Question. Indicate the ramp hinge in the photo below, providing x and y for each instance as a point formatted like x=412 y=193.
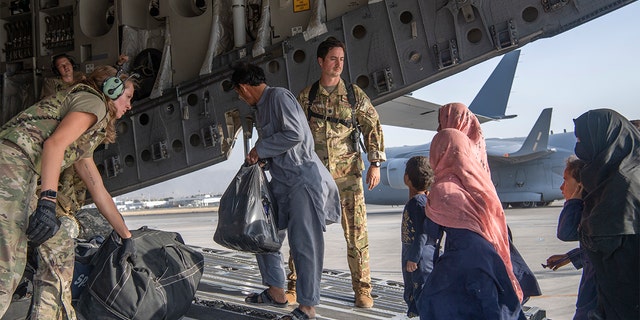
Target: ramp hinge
x=209 y=136
x=112 y=166
x=159 y=151
x=382 y=80
x=553 y=5
x=447 y=57
x=505 y=36
x=205 y=102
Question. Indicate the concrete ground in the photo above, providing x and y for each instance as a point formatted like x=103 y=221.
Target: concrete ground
x=533 y=231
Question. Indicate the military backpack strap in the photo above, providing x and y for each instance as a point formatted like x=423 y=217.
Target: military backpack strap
x=312 y=96
x=351 y=96
x=310 y=113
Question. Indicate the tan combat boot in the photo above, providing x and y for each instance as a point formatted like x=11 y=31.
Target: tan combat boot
x=291 y=292
x=364 y=299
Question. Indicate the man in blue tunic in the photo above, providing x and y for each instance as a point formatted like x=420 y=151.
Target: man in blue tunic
x=307 y=195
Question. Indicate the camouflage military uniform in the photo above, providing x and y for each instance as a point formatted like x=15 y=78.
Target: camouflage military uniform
x=56 y=258
x=21 y=141
x=52 y=85
x=335 y=147
x=54 y=274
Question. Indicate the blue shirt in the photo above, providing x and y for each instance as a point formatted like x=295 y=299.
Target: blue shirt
x=285 y=139
x=414 y=224
x=568 y=223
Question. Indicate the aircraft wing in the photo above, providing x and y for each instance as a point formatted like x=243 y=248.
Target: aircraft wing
x=489 y=104
x=409 y=112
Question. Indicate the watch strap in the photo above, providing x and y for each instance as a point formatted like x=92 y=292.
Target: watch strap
x=48 y=194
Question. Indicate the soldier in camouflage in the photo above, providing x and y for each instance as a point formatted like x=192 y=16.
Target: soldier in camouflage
x=50 y=136
x=330 y=116
x=63 y=67
x=55 y=277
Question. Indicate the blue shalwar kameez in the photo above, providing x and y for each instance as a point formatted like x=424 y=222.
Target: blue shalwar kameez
x=416 y=248
x=469 y=281
x=568 y=224
x=307 y=195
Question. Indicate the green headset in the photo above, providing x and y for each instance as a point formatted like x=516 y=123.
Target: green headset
x=113 y=87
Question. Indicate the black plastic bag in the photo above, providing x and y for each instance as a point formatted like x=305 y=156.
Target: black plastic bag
x=247 y=215
x=160 y=283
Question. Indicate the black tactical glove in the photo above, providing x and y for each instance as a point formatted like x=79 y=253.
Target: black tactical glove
x=128 y=251
x=43 y=223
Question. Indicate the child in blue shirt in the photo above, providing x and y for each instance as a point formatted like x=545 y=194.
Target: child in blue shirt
x=417 y=248
x=568 y=223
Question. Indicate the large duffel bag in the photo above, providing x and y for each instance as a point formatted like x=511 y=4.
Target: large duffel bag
x=159 y=284
x=85 y=250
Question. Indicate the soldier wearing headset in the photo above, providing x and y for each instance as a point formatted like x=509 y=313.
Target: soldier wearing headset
x=65 y=70
x=56 y=133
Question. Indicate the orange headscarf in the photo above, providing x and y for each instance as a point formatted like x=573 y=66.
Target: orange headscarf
x=463 y=196
x=457 y=116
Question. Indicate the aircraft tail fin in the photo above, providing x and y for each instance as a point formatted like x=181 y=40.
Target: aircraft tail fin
x=538 y=138
x=491 y=101
x=536 y=144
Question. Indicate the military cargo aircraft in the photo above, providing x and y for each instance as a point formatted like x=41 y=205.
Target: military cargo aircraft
x=525 y=171
x=186 y=117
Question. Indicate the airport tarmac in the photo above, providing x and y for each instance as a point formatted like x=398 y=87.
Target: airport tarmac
x=534 y=232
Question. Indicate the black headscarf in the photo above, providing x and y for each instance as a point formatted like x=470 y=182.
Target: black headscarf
x=610 y=145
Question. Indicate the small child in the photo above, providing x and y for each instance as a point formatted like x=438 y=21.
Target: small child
x=568 y=223
x=417 y=250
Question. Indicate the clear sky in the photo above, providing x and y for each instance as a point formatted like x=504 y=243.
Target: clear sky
x=595 y=65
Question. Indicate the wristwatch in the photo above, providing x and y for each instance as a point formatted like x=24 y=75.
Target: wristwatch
x=48 y=194
x=375 y=164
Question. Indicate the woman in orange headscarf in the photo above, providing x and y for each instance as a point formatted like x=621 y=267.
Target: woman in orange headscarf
x=457 y=116
x=473 y=278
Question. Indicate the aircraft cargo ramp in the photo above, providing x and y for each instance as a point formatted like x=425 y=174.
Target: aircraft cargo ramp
x=230 y=276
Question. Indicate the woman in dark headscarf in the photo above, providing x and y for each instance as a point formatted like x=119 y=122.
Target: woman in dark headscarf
x=609 y=144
